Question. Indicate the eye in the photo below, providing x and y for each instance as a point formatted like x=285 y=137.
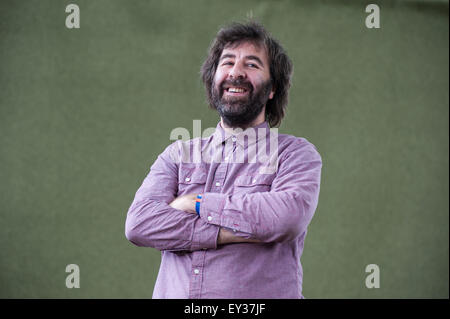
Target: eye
x=252 y=65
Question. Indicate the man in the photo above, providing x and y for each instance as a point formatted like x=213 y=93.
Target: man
x=233 y=224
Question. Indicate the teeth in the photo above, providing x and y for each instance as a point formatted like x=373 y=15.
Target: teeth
x=236 y=90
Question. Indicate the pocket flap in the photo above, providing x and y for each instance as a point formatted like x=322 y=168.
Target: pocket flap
x=257 y=179
x=197 y=176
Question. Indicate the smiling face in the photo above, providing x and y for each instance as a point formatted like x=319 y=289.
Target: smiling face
x=242 y=84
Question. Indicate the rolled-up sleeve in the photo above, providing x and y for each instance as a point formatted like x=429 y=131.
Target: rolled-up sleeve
x=281 y=214
x=151 y=222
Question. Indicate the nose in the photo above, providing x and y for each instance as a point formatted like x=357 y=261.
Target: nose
x=237 y=72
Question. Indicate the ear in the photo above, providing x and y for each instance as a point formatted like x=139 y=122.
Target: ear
x=272 y=93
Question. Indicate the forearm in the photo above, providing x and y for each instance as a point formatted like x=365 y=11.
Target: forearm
x=155 y=224
x=227 y=237
x=257 y=215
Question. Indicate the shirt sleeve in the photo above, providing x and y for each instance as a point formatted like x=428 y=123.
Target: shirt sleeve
x=151 y=222
x=281 y=214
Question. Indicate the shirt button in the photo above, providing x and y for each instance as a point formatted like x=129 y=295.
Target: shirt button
x=187 y=179
x=254 y=181
x=217 y=183
x=233 y=139
x=209 y=218
x=226 y=158
x=196 y=271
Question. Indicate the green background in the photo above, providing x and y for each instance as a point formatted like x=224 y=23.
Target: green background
x=85 y=112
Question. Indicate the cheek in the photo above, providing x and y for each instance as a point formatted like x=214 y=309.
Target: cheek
x=218 y=78
x=260 y=82
x=217 y=81
x=257 y=85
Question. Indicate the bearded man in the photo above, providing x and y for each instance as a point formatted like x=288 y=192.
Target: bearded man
x=234 y=226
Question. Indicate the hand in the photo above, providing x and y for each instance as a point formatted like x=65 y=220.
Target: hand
x=185 y=203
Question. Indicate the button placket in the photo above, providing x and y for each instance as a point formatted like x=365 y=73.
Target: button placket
x=198 y=263
x=229 y=156
x=222 y=168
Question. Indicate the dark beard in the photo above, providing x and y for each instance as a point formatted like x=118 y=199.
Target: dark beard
x=239 y=112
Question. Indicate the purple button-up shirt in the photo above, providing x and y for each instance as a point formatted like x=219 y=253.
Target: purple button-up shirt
x=256 y=183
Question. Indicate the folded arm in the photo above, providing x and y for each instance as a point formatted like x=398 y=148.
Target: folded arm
x=281 y=214
x=152 y=222
x=187 y=203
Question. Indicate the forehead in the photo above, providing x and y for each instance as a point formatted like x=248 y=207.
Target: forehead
x=242 y=49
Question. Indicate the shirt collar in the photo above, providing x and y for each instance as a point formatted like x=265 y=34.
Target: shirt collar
x=253 y=134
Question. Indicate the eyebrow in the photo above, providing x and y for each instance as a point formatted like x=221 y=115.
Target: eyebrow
x=248 y=57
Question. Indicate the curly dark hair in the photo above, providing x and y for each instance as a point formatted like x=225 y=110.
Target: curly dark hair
x=280 y=64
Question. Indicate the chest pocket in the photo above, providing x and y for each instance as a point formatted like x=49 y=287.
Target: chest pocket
x=253 y=183
x=191 y=180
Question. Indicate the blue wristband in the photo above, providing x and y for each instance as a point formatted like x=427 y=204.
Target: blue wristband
x=197 y=204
